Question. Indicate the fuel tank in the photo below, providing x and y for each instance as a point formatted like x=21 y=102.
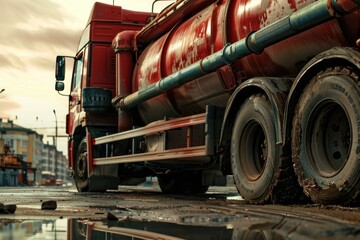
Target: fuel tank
x=223 y=22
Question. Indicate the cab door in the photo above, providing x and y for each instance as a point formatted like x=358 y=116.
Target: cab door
x=74 y=116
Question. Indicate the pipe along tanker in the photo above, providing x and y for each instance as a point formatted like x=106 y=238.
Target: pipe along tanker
x=265 y=90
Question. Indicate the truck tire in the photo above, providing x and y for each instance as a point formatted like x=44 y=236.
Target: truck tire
x=182 y=183
x=255 y=156
x=326 y=137
x=80 y=168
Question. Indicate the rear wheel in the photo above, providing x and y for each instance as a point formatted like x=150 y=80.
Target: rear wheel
x=325 y=141
x=81 y=169
x=260 y=171
x=254 y=153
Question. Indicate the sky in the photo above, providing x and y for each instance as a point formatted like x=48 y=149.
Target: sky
x=33 y=33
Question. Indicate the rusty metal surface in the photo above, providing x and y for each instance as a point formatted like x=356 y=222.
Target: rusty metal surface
x=228 y=22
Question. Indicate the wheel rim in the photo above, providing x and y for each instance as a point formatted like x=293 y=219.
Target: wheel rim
x=253 y=150
x=81 y=165
x=329 y=138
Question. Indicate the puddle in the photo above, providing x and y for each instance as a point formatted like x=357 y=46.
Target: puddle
x=234 y=197
x=34 y=229
x=246 y=228
x=85 y=229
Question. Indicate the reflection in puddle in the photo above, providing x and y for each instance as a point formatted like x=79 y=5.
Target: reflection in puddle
x=146 y=230
x=34 y=229
x=73 y=229
x=234 y=197
x=246 y=227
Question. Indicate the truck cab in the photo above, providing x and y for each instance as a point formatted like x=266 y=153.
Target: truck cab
x=94 y=72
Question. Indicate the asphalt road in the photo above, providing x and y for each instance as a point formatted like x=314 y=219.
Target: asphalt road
x=145 y=213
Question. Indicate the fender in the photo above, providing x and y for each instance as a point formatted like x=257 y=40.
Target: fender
x=79 y=132
x=275 y=89
x=331 y=58
x=78 y=123
x=101 y=178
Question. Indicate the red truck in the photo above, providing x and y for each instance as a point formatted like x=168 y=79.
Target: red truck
x=265 y=90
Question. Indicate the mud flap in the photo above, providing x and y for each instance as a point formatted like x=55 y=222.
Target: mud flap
x=213 y=178
x=103 y=183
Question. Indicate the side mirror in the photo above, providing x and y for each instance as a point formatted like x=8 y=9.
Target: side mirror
x=60 y=68
x=59 y=86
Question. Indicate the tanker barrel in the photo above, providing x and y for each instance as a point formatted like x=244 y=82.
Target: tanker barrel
x=299 y=21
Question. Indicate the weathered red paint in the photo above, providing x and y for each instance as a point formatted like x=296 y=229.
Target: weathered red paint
x=208 y=31
x=288 y=56
x=169 y=17
x=123 y=45
x=104 y=23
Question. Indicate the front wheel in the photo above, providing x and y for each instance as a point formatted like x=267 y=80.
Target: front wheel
x=81 y=168
x=325 y=137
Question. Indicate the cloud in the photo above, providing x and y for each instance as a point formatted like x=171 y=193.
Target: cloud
x=33 y=33
x=6 y=105
x=43 y=38
x=45 y=63
x=10 y=60
x=25 y=63
x=5 y=62
x=20 y=11
x=36 y=24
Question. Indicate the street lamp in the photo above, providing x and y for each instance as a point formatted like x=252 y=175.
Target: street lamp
x=55 y=142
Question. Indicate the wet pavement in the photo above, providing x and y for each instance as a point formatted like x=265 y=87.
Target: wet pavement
x=145 y=213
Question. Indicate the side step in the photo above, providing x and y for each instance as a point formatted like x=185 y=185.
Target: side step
x=161 y=128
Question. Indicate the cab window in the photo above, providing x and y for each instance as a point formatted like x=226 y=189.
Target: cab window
x=77 y=72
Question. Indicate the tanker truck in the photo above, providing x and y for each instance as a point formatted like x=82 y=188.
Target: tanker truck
x=265 y=90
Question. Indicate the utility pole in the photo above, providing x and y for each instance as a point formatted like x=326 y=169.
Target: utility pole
x=55 y=143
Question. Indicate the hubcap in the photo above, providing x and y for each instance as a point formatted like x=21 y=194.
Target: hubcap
x=253 y=150
x=328 y=139
x=81 y=165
